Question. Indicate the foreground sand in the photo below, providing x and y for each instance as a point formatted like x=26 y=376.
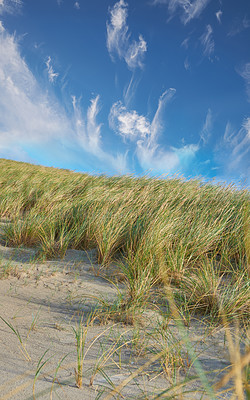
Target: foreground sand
x=44 y=302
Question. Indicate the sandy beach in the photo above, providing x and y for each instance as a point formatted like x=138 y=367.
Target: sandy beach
x=44 y=301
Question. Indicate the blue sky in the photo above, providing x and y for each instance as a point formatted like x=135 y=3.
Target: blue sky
x=117 y=87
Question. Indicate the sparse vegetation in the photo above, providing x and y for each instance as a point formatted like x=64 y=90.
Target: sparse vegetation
x=17 y=333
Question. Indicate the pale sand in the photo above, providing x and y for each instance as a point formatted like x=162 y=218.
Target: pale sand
x=57 y=292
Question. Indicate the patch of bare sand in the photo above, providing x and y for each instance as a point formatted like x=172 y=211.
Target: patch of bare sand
x=44 y=302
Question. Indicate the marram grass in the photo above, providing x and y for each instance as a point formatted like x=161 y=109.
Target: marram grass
x=171 y=232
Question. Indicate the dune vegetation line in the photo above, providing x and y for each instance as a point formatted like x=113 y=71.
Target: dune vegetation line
x=187 y=235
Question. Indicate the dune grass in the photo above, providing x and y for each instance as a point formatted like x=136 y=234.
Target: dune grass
x=188 y=235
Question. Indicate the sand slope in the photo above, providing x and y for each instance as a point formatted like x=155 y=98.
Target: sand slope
x=44 y=300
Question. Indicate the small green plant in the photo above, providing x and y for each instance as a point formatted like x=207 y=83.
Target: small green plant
x=16 y=332
x=39 y=368
x=175 y=358
x=80 y=335
x=80 y=332
x=55 y=375
x=7 y=269
x=107 y=355
x=34 y=322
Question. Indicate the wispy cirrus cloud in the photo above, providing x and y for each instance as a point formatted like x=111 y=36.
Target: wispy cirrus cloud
x=233 y=152
x=185 y=43
x=238 y=26
x=130 y=89
x=51 y=73
x=207 y=41
x=77 y=5
x=24 y=108
x=187 y=65
x=244 y=72
x=89 y=138
x=10 y=6
x=218 y=16
x=188 y=9
x=119 y=39
x=145 y=134
x=30 y=118
x=207 y=128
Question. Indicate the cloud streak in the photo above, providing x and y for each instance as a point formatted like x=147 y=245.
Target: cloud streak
x=188 y=9
x=89 y=138
x=10 y=6
x=239 y=26
x=207 y=128
x=51 y=73
x=207 y=42
x=218 y=16
x=244 y=72
x=234 y=152
x=118 y=38
x=30 y=119
x=24 y=108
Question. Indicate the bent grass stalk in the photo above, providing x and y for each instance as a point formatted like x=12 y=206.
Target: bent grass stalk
x=16 y=332
x=40 y=366
x=57 y=369
x=102 y=361
x=117 y=389
x=80 y=335
x=34 y=322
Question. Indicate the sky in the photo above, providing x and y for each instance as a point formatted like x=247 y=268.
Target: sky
x=158 y=87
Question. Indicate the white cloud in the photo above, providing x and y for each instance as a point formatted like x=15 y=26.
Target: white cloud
x=130 y=89
x=233 y=152
x=24 y=107
x=239 y=26
x=29 y=118
x=185 y=43
x=207 y=41
x=135 y=53
x=137 y=128
x=118 y=38
x=51 y=73
x=89 y=135
x=188 y=9
x=117 y=30
x=10 y=6
x=245 y=23
x=207 y=127
x=93 y=128
x=156 y=126
x=241 y=143
x=77 y=5
x=129 y=124
x=187 y=64
x=218 y=15
x=245 y=74
x=1 y=27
